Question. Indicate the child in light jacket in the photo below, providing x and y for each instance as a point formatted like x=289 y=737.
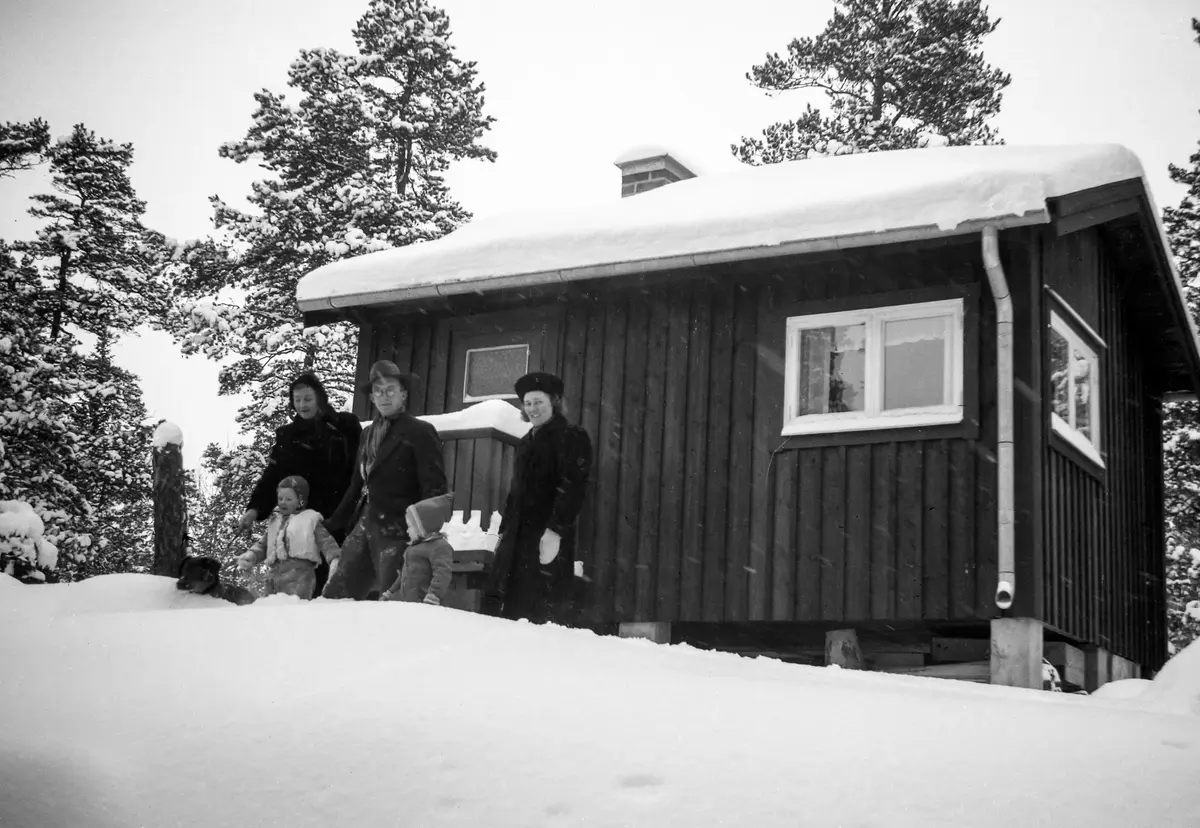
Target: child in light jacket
x=294 y=543
x=426 y=573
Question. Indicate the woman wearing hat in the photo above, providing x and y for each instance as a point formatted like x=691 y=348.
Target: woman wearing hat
x=533 y=572
x=399 y=464
x=319 y=445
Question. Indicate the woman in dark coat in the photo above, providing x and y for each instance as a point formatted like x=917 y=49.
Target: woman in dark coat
x=320 y=445
x=399 y=463
x=533 y=573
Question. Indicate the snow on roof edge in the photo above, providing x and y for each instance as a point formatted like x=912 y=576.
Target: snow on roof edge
x=751 y=207
x=632 y=266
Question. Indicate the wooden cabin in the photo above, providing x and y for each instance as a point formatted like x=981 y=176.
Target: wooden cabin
x=914 y=395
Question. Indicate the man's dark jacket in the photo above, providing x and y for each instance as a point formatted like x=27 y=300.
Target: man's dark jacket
x=408 y=468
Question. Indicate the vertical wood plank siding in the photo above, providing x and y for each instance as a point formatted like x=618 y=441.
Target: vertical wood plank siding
x=1104 y=564
x=699 y=512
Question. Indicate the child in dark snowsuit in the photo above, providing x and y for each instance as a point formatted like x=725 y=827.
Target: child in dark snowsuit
x=294 y=544
x=426 y=573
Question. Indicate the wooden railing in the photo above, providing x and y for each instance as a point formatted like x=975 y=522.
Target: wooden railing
x=479 y=463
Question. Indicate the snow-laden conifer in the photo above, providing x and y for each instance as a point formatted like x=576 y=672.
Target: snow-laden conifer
x=355 y=154
x=1181 y=426
x=895 y=74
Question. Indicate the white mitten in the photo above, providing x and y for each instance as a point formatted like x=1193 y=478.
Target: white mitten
x=579 y=569
x=245 y=561
x=430 y=598
x=548 y=546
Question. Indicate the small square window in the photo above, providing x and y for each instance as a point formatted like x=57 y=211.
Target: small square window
x=1074 y=389
x=491 y=372
x=890 y=367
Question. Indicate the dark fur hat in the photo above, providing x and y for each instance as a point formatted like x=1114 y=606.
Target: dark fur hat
x=539 y=381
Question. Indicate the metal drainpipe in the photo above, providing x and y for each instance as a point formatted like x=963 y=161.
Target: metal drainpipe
x=1006 y=577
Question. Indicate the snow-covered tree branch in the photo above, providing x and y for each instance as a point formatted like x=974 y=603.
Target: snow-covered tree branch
x=897 y=74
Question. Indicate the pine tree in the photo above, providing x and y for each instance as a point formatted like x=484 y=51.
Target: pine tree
x=38 y=447
x=98 y=261
x=1181 y=424
x=357 y=164
x=72 y=426
x=898 y=74
x=22 y=145
x=114 y=461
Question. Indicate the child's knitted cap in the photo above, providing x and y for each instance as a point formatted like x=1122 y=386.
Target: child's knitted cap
x=297 y=484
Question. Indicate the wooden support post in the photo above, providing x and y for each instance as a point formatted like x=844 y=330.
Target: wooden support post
x=657 y=631
x=1016 y=659
x=170 y=513
x=841 y=648
x=1069 y=661
x=1096 y=661
x=1123 y=668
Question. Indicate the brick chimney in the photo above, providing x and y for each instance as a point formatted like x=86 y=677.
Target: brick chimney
x=648 y=168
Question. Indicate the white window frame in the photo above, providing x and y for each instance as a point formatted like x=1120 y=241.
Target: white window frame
x=468 y=398
x=1089 y=447
x=873 y=416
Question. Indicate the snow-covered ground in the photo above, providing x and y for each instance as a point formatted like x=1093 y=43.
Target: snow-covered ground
x=124 y=702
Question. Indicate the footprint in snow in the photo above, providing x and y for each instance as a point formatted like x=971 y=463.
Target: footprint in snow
x=641 y=785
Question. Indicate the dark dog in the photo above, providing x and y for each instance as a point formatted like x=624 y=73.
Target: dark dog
x=202 y=576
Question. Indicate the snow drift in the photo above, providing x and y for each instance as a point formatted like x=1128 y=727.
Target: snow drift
x=125 y=702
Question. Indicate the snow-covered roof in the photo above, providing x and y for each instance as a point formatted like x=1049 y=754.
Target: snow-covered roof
x=795 y=207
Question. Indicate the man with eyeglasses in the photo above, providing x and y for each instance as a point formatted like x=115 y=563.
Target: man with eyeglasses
x=399 y=464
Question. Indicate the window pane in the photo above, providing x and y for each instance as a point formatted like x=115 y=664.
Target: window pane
x=1082 y=365
x=833 y=369
x=492 y=371
x=1060 y=379
x=914 y=362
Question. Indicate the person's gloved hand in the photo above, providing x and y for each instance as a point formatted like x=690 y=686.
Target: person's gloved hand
x=247 y=519
x=245 y=561
x=548 y=546
x=430 y=598
x=383 y=596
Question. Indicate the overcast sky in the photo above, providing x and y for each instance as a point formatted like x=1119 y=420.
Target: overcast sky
x=571 y=84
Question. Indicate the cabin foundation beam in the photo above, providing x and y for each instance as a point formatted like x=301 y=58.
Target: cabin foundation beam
x=1101 y=667
x=1096 y=661
x=1122 y=668
x=657 y=631
x=1016 y=652
x=1071 y=662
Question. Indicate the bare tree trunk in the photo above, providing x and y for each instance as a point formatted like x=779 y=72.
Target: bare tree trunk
x=64 y=267
x=170 y=514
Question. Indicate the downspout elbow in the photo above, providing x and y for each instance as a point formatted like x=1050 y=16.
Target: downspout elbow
x=1006 y=512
